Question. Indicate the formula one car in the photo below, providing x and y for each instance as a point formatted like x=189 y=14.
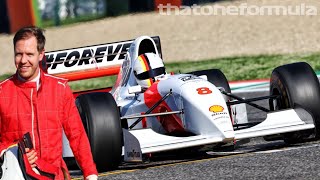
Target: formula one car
x=150 y=111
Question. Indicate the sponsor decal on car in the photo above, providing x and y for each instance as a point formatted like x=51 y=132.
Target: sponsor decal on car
x=216 y=108
x=189 y=77
x=221 y=118
x=203 y=90
x=86 y=57
x=133 y=154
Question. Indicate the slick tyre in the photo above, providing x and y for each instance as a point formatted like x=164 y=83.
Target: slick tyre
x=101 y=120
x=298 y=86
x=216 y=77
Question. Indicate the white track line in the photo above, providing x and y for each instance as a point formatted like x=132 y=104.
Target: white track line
x=287 y=149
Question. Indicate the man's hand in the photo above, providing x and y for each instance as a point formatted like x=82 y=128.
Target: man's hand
x=32 y=157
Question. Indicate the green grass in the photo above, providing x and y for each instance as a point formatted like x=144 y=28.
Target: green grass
x=246 y=67
x=95 y=83
x=235 y=68
x=4 y=76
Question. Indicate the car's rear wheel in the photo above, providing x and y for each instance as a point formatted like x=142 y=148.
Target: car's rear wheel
x=101 y=119
x=298 y=86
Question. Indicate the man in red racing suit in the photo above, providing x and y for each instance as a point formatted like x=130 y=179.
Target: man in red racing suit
x=43 y=105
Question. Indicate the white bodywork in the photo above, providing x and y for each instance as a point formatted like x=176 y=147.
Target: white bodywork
x=205 y=114
x=207 y=127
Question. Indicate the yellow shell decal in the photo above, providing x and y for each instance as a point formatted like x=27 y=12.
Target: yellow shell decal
x=216 y=108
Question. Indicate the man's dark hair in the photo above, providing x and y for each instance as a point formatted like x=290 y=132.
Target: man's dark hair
x=27 y=32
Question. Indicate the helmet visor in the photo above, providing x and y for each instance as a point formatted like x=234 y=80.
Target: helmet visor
x=151 y=73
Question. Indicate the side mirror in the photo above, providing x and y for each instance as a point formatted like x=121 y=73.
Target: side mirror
x=204 y=77
x=135 y=89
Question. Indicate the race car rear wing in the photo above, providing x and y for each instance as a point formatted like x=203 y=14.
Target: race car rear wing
x=89 y=61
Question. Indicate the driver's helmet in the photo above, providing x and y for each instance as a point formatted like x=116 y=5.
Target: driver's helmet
x=147 y=68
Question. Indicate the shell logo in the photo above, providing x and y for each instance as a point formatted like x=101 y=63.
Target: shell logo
x=216 y=108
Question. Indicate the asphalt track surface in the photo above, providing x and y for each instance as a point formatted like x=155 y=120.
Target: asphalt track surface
x=258 y=159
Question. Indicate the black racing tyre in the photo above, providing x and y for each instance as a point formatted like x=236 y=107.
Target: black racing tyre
x=298 y=86
x=216 y=77
x=101 y=120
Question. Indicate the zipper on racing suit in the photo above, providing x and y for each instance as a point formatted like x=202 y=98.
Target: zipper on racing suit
x=33 y=119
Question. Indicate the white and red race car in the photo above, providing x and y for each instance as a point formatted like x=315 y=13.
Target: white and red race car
x=195 y=110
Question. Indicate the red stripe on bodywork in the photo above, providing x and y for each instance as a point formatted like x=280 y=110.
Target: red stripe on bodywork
x=144 y=121
x=171 y=123
x=87 y=74
x=76 y=94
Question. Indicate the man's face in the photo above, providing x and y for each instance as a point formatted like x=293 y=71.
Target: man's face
x=27 y=58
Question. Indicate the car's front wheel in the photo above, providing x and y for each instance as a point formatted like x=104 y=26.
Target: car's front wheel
x=298 y=86
x=101 y=119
